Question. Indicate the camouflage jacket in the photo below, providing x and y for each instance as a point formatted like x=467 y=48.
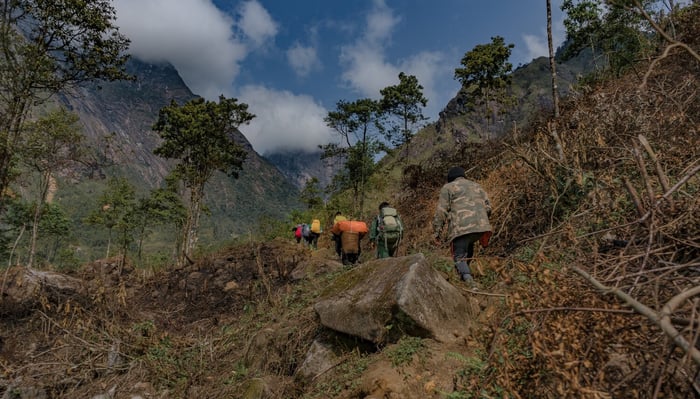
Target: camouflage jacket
x=464 y=205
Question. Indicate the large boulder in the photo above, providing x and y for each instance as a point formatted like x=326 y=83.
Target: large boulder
x=384 y=299
x=22 y=286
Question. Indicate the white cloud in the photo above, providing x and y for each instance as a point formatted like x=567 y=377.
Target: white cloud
x=302 y=59
x=256 y=22
x=536 y=45
x=430 y=68
x=380 y=22
x=367 y=71
x=284 y=121
x=195 y=37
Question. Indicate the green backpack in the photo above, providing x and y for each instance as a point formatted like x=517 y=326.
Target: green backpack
x=389 y=227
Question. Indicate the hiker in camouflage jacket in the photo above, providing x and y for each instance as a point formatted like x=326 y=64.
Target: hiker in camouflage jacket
x=464 y=205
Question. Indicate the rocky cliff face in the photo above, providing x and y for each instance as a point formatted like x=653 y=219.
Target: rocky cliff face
x=299 y=167
x=124 y=113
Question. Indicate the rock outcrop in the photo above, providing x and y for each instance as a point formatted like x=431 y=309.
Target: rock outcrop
x=384 y=299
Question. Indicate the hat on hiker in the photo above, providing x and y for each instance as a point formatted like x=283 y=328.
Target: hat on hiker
x=454 y=173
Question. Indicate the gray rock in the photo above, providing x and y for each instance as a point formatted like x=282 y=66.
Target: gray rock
x=107 y=395
x=319 y=359
x=16 y=390
x=384 y=299
x=24 y=285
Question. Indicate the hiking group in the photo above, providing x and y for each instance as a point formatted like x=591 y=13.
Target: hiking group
x=308 y=232
x=463 y=206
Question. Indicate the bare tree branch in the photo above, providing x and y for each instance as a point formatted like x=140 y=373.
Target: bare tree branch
x=661 y=319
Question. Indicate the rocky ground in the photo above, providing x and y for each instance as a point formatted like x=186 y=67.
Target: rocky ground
x=239 y=321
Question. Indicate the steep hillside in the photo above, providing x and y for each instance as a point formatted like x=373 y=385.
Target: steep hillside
x=591 y=246
x=124 y=112
x=588 y=288
x=532 y=88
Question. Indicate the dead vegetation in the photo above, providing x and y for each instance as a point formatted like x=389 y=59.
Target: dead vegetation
x=603 y=245
x=590 y=286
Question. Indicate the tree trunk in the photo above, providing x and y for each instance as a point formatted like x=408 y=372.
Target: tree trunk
x=555 y=91
x=45 y=180
x=35 y=233
x=178 y=249
x=109 y=242
x=192 y=223
x=363 y=172
x=142 y=233
x=14 y=246
x=17 y=111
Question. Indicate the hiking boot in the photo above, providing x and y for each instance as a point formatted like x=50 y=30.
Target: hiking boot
x=467 y=278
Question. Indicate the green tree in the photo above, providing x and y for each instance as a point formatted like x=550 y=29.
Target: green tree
x=611 y=29
x=311 y=193
x=200 y=134
x=116 y=209
x=17 y=218
x=358 y=125
x=55 y=227
x=48 y=47
x=404 y=102
x=163 y=206
x=485 y=74
x=52 y=143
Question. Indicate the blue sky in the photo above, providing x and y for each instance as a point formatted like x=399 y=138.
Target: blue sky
x=292 y=60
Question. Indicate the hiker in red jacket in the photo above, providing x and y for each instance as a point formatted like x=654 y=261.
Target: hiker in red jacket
x=297 y=232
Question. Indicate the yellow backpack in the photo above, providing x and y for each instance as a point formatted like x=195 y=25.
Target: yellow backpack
x=316 y=226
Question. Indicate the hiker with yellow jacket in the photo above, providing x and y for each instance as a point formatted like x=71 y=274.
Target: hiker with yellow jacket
x=315 y=231
x=465 y=207
x=336 y=237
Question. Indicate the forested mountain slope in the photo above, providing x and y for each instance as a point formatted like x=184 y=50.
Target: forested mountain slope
x=588 y=288
x=117 y=119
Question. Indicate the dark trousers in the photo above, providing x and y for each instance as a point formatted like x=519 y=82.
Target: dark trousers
x=312 y=240
x=338 y=244
x=386 y=249
x=346 y=258
x=463 y=251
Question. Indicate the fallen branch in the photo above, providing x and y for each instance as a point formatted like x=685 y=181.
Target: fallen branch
x=572 y=309
x=483 y=293
x=682 y=181
x=635 y=198
x=662 y=319
x=657 y=165
x=673 y=189
x=643 y=172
